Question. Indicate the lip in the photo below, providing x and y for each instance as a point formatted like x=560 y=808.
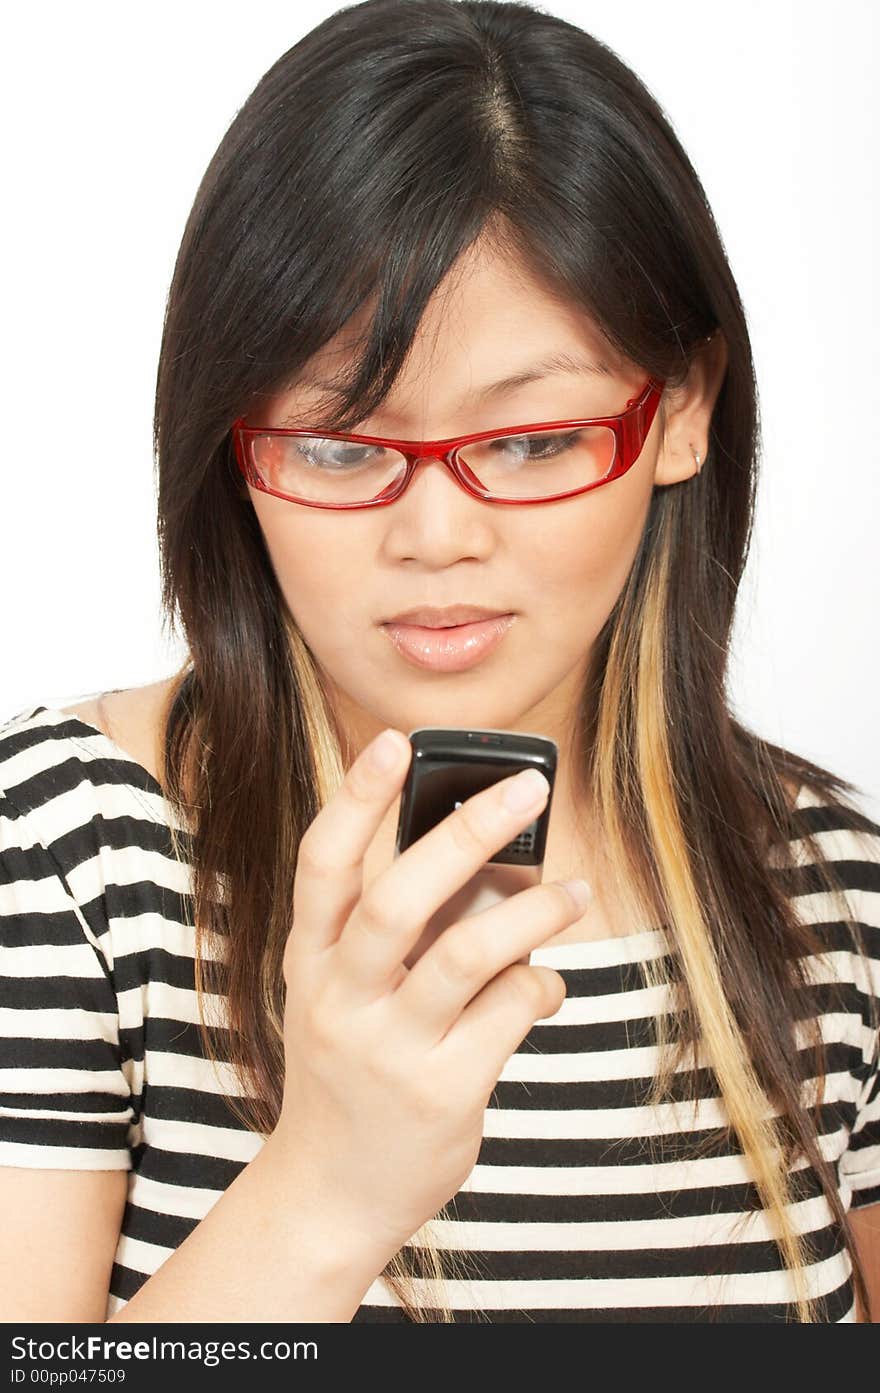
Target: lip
x=444 y=617
x=452 y=649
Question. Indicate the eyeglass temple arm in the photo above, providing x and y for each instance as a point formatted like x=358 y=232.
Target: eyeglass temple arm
x=636 y=424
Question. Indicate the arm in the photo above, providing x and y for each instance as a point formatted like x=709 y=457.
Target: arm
x=272 y=1246
x=270 y=1249
x=60 y=1231
x=265 y=1251
x=866 y=1230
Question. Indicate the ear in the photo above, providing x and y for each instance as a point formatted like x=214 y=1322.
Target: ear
x=688 y=412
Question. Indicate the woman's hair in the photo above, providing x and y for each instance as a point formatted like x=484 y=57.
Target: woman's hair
x=369 y=157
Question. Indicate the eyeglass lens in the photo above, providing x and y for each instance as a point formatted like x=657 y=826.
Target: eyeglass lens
x=322 y=469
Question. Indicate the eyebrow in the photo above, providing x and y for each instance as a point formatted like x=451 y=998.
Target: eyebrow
x=547 y=367
x=555 y=363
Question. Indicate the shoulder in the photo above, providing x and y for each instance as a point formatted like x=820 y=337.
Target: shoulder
x=845 y=832
x=133 y=718
x=846 y=914
x=44 y=763
x=85 y=831
x=66 y=785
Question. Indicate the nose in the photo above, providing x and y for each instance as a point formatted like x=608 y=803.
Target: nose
x=436 y=459
x=436 y=501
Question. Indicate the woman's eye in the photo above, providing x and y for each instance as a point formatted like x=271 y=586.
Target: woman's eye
x=543 y=446
x=337 y=454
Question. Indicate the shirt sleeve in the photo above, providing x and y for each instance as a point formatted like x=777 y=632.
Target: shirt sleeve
x=65 y=1101
x=860 y=1163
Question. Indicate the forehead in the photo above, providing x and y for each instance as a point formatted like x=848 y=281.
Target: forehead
x=490 y=327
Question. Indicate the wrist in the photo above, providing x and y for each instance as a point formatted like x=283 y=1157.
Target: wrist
x=337 y=1241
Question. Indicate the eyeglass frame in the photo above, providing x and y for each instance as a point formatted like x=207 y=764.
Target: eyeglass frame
x=630 y=427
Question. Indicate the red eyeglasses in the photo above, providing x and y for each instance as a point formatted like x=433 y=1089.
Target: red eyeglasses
x=525 y=464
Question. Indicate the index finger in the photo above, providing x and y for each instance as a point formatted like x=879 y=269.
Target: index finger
x=329 y=877
x=399 y=903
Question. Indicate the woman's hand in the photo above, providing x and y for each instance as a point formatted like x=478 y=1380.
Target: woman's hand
x=388 y=1070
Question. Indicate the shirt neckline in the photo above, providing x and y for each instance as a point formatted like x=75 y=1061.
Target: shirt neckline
x=603 y=952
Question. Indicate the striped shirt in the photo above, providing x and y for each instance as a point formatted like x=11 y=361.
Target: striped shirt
x=567 y=1214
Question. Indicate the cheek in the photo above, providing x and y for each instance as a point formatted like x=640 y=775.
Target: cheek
x=581 y=553
x=309 y=561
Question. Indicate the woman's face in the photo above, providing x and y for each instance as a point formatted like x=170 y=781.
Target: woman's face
x=558 y=567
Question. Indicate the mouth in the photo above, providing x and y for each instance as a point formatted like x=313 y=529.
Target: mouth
x=444 y=616
x=450 y=647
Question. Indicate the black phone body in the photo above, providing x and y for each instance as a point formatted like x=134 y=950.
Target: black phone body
x=449 y=765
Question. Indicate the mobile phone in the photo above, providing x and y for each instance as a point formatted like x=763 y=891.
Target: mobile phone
x=449 y=765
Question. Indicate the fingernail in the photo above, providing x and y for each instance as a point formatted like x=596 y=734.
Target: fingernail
x=526 y=789
x=580 y=891
x=386 y=751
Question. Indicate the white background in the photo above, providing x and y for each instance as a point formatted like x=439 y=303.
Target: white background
x=110 y=116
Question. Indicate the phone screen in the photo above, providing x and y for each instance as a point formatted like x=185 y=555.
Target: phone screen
x=448 y=766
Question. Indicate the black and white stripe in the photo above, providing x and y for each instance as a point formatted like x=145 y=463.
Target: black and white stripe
x=583 y=1204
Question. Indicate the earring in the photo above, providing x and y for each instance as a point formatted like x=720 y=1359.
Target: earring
x=697 y=458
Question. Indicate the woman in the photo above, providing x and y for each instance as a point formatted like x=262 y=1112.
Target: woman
x=223 y=1085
